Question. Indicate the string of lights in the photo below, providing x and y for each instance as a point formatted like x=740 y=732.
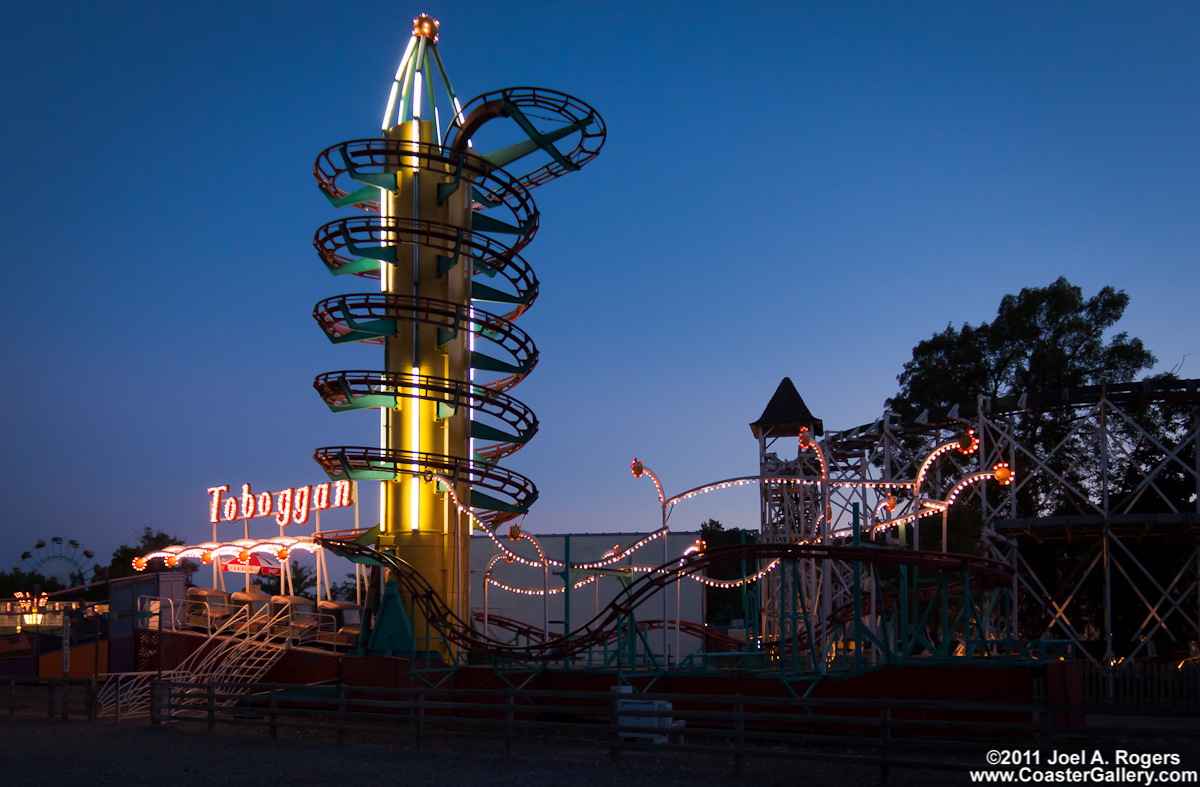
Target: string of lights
x=539 y=592
x=280 y=548
x=716 y=583
x=755 y=479
x=965 y=444
x=808 y=441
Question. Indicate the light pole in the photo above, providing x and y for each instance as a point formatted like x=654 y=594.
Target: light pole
x=487 y=579
x=639 y=470
x=516 y=534
x=693 y=549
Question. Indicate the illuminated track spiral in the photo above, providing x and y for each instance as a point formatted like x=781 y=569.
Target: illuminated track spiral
x=352 y=174
x=356 y=390
x=344 y=246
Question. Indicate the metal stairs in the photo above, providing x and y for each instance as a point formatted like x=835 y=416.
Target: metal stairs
x=240 y=652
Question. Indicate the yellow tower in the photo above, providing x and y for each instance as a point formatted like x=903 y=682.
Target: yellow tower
x=449 y=293
x=422 y=525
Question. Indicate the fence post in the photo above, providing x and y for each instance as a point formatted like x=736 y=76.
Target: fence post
x=341 y=722
x=274 y=724
x=510 y=715
x=739 y=733
x=885 y=737
x=419 y=712
x=614 y=723
x=156 y=687
x=93 y=698
x=212 y=706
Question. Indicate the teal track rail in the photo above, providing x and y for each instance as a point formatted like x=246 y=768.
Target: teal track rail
x=504 y=286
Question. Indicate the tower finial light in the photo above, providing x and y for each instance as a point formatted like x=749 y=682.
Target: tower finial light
x=425 y=26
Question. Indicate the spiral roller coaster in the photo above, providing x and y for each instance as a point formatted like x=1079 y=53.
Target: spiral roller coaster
x=434 y=207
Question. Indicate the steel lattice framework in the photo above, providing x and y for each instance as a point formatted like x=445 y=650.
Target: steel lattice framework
x=1103 y=474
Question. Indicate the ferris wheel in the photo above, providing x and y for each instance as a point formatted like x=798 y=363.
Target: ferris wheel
x=61 y=559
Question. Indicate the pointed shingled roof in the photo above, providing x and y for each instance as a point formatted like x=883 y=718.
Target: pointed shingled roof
x=786 y=414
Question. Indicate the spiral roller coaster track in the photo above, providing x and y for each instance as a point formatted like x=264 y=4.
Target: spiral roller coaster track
x=373 y=162
x=356 y=245
x=365 y=463
x=356 y=390
x=370 y=174
x=522 y=104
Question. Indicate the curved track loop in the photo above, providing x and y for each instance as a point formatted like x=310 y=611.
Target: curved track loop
x=534 y=103
x=371 y=240
x=989 y=574
x=367 y=162
x=368 y=317
x=516 y=492
x=357 y=390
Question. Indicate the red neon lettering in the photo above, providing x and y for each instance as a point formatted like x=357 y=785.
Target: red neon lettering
x=291 y=505
x=215 y=506
x=321 y=496
x=341 y=494
x=300 y=506
x=283 y=514
x=247 y=502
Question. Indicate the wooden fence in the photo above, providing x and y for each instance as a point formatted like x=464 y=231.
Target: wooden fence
x=60 y=698
x=1138 y=685
x=885 y=734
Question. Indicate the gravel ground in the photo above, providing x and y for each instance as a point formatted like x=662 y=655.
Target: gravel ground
x=100 y=754
x=36 y=751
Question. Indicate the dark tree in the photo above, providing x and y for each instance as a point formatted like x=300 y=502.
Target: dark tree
x=1042 y=338
x=304 y=580
x=1048 y=338
x=148 y=541
x=725 y=604
x=26 y=582
x=344 y=591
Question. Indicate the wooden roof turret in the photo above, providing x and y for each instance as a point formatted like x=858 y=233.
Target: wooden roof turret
x=786 y=415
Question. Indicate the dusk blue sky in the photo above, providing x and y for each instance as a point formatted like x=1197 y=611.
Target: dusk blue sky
x=793 y=189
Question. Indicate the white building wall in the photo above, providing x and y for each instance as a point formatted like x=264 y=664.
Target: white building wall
x=593 y=597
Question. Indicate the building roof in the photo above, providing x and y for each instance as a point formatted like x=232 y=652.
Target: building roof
x=786 y=414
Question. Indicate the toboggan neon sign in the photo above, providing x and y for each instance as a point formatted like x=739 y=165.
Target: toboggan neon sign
x=289 y=506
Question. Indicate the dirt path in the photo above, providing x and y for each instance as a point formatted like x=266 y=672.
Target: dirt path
x=102 y=754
